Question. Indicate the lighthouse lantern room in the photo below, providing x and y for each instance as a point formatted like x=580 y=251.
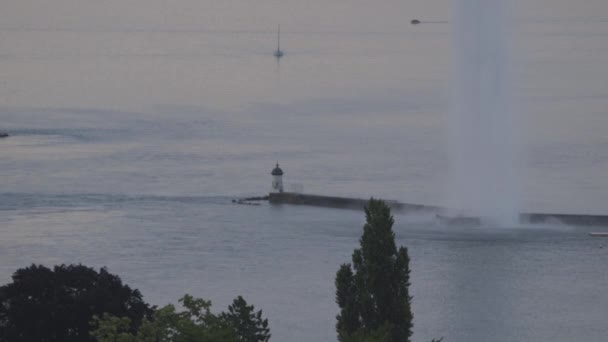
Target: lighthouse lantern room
x=277 y=178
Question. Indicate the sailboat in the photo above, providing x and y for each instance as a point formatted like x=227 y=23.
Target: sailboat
x=278 y=54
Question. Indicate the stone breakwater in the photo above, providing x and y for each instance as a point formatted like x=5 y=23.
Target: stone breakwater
x=439 y=212
x=341 y=202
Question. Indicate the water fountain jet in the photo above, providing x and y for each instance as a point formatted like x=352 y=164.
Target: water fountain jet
x=482 y=130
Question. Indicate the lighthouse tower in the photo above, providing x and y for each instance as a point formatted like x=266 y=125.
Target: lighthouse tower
x=277 y=179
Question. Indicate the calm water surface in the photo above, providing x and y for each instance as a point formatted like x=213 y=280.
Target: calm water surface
x=131 y=133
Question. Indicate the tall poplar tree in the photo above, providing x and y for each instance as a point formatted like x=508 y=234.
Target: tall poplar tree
x=373 y=292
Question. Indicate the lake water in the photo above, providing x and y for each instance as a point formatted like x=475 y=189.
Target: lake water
x=133 y=129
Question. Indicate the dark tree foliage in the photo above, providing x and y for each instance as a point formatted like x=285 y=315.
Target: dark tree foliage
x=248 y=324
x=373 y=293
x=195 y=323
x=44 y=305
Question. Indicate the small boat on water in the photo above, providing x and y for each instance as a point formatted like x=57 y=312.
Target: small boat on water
x=4 y=135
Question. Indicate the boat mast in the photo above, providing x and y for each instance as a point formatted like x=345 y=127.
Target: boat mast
x=279 y=39
x=278 y=54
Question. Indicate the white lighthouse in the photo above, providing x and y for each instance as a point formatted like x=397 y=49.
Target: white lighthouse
x=277 y=178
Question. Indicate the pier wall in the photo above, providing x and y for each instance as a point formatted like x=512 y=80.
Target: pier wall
x=359 y=204
x=340 y=202
x=568 y=219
